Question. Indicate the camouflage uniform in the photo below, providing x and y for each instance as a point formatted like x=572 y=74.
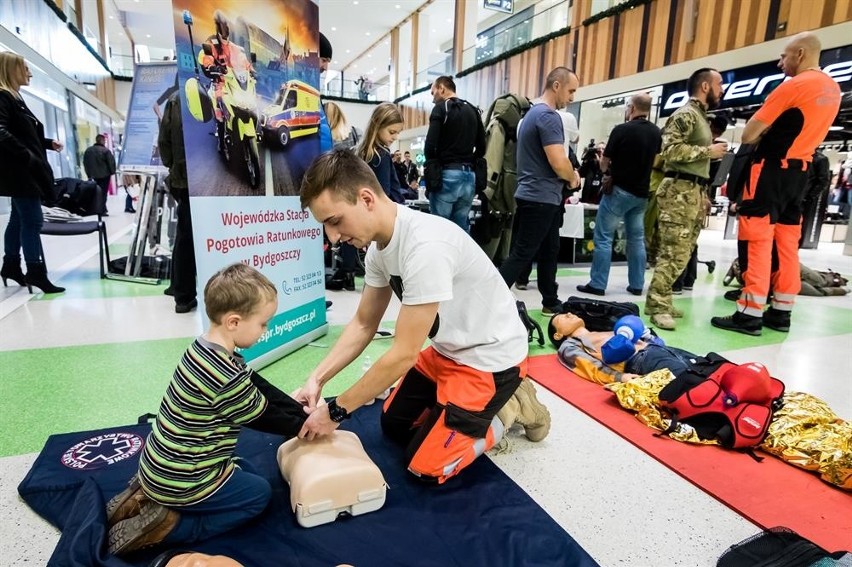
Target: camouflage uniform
x=652 y=212
x=686 y=150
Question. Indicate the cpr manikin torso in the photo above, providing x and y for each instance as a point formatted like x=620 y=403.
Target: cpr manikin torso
x=330 y=476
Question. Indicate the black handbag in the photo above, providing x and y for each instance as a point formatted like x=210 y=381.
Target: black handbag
x=599 y=315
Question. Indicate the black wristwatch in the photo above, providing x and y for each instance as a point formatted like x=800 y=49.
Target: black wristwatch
x=337 y=413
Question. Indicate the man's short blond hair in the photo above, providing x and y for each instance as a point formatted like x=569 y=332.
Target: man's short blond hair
x=239 y=289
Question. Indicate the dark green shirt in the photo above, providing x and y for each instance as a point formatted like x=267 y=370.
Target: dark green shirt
x=686 y=140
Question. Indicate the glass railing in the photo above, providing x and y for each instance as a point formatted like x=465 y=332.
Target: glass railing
x=599 y=6
x=497 y=41
x=426 y=76
x=121 y=65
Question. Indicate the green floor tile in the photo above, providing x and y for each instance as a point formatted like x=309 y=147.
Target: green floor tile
x=45 y=391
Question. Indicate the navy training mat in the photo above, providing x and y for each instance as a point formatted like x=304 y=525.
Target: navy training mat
x=480 y=517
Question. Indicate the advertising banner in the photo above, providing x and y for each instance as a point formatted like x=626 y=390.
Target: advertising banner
x=747 y=86
x=248 y=72
x=153 y=84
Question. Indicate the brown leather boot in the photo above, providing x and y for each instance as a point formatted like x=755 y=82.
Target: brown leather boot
x=531 y=413
x=127 y=503
x=150 y=527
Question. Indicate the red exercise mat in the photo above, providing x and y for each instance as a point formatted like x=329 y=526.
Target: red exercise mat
x=769 y=493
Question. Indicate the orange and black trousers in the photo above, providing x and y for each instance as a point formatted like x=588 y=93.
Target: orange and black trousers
x=769 y=229
x=445 y=413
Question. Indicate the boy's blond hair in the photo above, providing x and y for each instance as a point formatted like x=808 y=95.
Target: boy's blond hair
x=238 y=288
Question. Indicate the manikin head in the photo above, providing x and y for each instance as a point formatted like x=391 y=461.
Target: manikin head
x=563 y=326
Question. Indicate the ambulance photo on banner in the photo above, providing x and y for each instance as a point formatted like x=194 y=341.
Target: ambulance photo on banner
x=248 y=74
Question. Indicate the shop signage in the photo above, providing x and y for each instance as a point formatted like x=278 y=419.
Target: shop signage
x=751 y=85
x=507 y=6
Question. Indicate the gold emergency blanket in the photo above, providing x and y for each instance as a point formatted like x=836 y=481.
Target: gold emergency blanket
x=804 y=432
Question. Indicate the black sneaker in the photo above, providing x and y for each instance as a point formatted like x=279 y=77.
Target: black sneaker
x=634 y=291
x=677 y=291
x=777 y=319
x=585 y=288
x=739 y=322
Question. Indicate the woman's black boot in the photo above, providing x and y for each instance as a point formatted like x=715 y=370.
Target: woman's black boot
x=37 y=276
x=11 y=270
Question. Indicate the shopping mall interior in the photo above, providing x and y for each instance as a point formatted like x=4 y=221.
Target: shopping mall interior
x=102 y=353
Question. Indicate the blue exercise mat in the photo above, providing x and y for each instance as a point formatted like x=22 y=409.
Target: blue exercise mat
x=480 y=517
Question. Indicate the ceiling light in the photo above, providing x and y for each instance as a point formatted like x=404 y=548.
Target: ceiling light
x=397 y=6
x=348 y=50
x=147 y=35
x=333 y=28
x=369 y=55
x=368 y=33
x=353 y=1
x=111 y=18
x=336 y=62
x=434 y=31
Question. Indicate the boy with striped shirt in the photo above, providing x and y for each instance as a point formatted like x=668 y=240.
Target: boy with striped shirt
x=190 y=485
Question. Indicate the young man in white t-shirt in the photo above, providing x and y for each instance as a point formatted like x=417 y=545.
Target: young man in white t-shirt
x=445 y=408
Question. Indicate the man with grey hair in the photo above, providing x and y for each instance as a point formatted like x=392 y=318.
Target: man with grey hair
x=626 y=163
x=543 y=169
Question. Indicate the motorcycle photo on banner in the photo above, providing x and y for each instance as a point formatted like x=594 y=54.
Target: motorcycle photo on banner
x=249 y=75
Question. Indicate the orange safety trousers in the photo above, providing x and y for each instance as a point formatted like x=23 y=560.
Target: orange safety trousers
x=446 y=413
x=769 y=229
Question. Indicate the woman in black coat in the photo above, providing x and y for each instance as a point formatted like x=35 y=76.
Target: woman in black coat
x=26 y=177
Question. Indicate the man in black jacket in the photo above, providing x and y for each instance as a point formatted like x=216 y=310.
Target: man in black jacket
x=172 y=153
x=100 y=166
x=456 y=139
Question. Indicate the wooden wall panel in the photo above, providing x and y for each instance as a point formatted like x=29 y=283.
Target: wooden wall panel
x=722 y=25
x=629 y=42
x=657 y=31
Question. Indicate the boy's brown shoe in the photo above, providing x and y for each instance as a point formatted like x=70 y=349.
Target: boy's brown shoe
x=150 y=527
x=126 y=503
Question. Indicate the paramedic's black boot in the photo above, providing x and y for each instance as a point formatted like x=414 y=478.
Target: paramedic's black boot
x=11 y=270
x=150 y=527
x=777 y=319
x=733 y=294
x=37 y=277
x=739 y=322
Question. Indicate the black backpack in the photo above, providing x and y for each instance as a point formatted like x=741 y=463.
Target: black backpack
x=599 y=315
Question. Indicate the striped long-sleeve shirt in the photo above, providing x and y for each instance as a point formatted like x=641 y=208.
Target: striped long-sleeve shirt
x=189 y=452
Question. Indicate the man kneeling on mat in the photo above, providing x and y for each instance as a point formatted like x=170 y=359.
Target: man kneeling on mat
x=190 y=486
x=445 y=408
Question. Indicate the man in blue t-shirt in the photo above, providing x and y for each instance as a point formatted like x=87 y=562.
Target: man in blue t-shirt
x=543 y=169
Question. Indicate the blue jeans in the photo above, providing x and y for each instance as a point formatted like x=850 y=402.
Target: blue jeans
x=456 y=197
x=654 y=357
x=613 y=208
x=24 y=229
x=243 y=496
